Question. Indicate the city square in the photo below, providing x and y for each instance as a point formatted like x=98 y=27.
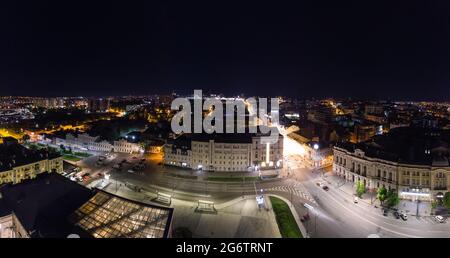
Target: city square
x=225 y=128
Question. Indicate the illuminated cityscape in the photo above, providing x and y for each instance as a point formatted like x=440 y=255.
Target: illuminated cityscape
x=345 y=127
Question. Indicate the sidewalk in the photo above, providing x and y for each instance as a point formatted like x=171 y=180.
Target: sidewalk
x=410 y=207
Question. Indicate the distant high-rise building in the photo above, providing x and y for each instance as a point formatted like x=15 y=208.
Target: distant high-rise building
x=98 y=104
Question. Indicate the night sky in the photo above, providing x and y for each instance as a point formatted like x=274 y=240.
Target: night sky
x=365 y=49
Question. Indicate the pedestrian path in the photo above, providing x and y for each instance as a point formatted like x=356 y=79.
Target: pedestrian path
x=296 y=189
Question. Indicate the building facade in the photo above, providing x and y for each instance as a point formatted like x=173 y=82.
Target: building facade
x=18 y=163
x=315 y=154
x=412 y=181
x=93 y=143
x=225 y=153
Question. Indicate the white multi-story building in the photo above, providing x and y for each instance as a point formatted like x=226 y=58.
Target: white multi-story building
x=418 y=170
x=225 y=152
x=87 y=142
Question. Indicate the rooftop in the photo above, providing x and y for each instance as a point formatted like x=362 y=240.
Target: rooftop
x=14 y=155
x=408 y=145
x=42 y=204
x=54 y=206
x=109 y=216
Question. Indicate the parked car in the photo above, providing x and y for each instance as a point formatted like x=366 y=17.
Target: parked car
x=385 y=212
x=440 y=219
x=326 y=188
x=403 y=216
x=356 y=199
x=396 y=214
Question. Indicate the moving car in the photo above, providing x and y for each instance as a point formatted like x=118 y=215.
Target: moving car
x=440 y=219
x=325 y=188
x=356 y=199
x=305 y=217
x=396 y=214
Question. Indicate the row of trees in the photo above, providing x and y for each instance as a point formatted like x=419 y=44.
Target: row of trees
x=388 y=197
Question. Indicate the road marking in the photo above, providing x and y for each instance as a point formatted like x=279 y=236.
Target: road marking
x=294 y=190
x=387 y=229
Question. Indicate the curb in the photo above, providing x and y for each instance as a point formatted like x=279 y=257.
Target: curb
x=294 y=213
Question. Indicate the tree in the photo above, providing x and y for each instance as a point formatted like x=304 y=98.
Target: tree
x=446 y=200
x=382 y=194
x=434 y=204
x=392 y=198
x=360 y=188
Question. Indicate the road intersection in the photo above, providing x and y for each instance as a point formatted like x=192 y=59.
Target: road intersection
x=334 y=213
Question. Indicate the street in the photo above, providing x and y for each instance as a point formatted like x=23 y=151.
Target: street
x=334 y=214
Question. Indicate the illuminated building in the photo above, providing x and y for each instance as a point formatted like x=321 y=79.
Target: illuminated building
x=224 y=152
x=315 y=154
x=413 y=161
x=18 y=163
x=93 y=143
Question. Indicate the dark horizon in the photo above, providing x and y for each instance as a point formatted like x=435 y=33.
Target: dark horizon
x=393 y=51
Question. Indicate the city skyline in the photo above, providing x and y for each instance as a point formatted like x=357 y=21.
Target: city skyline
x=243 y=121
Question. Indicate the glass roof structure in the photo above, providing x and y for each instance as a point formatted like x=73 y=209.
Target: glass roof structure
x=109 y=216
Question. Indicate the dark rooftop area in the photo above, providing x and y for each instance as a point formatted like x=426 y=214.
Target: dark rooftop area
x=13 y=155
x=408 y=145
x=53 y=206
x=44 y=203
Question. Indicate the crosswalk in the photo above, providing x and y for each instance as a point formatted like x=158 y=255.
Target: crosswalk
x=296 y=189
x=427 y=219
